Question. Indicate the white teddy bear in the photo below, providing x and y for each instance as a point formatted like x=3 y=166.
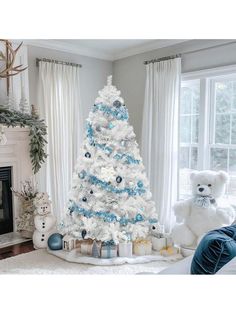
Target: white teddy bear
x=207 y=209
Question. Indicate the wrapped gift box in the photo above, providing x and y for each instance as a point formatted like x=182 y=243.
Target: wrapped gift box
x=86 y=247
x=78 y=245
x=108 y=250
x=170 y=250
x=68 y=242
x=161 y=243
x=142 y=247
x=158 y=243
x=125 y=249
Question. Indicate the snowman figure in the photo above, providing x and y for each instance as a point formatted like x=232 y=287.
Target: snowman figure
x=44 y=221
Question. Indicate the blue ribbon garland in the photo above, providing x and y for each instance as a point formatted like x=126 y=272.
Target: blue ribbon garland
x=128 y=158
x=107 y=216
x=119 y=114
x=107 y=149
x=110 y=188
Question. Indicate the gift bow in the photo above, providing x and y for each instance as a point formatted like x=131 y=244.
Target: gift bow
x=108 y=243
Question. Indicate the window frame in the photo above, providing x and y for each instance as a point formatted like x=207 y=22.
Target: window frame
x=207 y=79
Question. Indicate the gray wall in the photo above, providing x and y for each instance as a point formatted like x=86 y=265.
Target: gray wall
x=93 y=74
x=129 y=73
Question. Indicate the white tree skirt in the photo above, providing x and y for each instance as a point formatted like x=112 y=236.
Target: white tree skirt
x=40 y=262
x=75 y=257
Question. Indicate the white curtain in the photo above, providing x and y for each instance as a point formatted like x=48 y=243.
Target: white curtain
x=160 y=134
x=60 y=106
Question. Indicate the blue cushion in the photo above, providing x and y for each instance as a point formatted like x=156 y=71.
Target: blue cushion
x=215 y=250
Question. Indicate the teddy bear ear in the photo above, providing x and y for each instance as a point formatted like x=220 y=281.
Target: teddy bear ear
x=193 y=175
x=223 y=176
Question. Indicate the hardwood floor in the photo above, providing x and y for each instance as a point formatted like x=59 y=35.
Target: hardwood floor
x=16 y=249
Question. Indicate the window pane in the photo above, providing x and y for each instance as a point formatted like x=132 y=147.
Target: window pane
x=232 y=189
x=223 y=96
x=194 y=157
x=195 y=123
x=186 y=100
x=196 y=98
x=232 y=170
x=186 y=169
x=219 y=159
x=222 y=129
x=233 y=130
x=233 y=108
x=185 y=130
x=232 y=161
x=185 y=184
x=184 y=157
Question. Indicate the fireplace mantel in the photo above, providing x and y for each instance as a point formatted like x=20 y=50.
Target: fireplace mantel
x=15 y=153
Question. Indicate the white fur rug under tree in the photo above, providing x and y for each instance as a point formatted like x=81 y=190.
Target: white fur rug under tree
x=40 y=262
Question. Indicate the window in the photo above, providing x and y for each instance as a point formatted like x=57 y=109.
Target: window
x=189 y=132
x=208 y=127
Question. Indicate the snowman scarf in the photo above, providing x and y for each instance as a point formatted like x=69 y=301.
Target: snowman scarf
x=203 y=201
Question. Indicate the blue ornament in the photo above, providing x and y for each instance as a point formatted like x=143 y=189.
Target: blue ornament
x=71 y=211
x=87 y=155
x=140 y=184
x=118 y=179
x=117 y=104
x=110 y=125
x=82 y=174
x=55 y=241
x=139 y=217
x=123 y=221
x=83 y=233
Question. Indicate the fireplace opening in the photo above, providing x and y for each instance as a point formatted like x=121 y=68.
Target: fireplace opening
x=6 y=212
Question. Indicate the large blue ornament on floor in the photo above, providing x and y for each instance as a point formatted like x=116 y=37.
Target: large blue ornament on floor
x=55 y=241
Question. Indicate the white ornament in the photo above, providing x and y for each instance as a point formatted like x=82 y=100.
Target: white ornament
x=23 y=105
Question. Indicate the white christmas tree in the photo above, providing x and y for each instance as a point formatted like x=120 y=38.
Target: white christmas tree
x=24 y=106
x=110 y=197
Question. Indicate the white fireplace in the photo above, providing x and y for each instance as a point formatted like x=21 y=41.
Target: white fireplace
x=15 y=154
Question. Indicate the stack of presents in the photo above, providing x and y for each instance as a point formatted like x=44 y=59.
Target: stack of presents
x=159 y=242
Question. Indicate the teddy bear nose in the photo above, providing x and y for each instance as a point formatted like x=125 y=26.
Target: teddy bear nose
x=201 y=189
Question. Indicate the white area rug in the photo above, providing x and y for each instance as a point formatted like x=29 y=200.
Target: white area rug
x=41 y=262
x=74 y=256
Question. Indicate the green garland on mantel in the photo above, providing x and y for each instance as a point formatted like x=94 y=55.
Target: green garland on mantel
x=37 y=133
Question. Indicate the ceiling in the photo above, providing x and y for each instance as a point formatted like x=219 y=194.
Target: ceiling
x=107 y=49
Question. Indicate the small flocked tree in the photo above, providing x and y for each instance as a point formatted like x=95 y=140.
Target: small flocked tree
x=110 y=197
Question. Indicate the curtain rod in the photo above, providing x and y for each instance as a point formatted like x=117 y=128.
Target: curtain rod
x=57 y=62
x=162 y=59
x=188 y=52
